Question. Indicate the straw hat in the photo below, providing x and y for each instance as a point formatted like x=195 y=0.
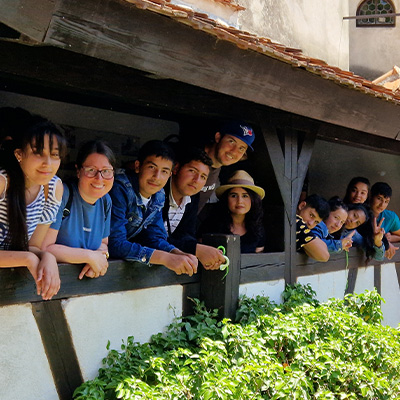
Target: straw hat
x=240 y=179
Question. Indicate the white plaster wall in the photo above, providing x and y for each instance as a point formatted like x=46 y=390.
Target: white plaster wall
x=95 y=320
x=331 y=284
x=314 y=26
x=391 y=293
x=271 y=289
x=373 y=51
x=24 y=370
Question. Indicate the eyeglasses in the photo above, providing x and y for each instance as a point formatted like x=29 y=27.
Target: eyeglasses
x=90 y=172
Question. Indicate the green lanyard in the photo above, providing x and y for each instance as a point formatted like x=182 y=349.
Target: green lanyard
x=225 y=266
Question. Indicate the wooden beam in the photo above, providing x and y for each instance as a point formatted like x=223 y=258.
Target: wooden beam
x=60 y=351
x=18 y=285
x=31 y=18
x=216 y=291
x=119 y=32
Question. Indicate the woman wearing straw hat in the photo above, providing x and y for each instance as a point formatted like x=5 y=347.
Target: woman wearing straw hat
x=239 y=212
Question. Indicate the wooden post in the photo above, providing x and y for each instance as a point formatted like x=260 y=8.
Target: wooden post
x=290 y=165
x=218 y=292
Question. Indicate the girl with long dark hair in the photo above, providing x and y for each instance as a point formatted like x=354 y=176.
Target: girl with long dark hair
x=239 y=211
x=30 y=195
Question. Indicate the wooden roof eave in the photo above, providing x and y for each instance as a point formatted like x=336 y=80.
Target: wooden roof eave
x=118 y=32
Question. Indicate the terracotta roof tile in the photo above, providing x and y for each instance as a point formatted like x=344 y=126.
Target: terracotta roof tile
x=246 y=40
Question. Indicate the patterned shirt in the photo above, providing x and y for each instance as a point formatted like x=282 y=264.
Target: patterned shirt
x=304 y=235
x=40 y=211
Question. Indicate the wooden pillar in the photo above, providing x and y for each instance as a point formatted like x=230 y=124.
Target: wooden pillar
x=218 y=292
x=290 y=152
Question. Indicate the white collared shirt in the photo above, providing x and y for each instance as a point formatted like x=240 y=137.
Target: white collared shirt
x=175 y=212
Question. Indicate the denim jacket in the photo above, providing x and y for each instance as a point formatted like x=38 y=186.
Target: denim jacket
x=132 y=220
x=321 y=231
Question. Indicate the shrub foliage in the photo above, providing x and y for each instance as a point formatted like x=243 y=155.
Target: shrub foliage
x=299 y=350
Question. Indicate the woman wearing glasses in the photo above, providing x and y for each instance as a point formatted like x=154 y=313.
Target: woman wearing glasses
x=80 y=233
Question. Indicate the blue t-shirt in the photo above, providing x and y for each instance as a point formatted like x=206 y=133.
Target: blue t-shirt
x=391 y=222
x=87 y=225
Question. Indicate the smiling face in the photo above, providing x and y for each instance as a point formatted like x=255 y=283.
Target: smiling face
x=355 y=218
x=309 y=215
x=336 y=220
x=228 y=150
x=153 y=174
x=239 y=201
x=189 y=179
x=358 y=193
x=38 y=168
x=92 y=189
x=379 y=204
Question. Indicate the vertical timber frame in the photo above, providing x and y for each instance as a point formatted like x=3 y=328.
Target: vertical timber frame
x=290 y=154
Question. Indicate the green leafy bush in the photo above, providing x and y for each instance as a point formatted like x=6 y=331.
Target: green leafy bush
x=300 y=350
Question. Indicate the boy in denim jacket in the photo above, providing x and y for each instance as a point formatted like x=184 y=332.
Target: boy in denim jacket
x=137 y=228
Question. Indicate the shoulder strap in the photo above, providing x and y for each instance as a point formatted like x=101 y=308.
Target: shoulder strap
x=105 y=207
x=67 y=208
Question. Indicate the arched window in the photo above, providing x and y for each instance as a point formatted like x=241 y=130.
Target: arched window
x=376 y=7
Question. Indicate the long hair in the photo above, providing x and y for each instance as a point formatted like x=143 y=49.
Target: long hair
x=366 y=230
x=354 y=181
x=17 y=238
x=253 y=219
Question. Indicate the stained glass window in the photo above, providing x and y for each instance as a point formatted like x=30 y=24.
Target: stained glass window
x=376 y=7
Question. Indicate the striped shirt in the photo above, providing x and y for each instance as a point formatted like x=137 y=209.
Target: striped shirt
x=40 y=211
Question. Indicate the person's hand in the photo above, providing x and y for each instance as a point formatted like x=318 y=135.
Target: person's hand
x=391 y=251
x=379 y=232
x=182 y=263
x=209 y=256
x=48 y=277
x=32 y=263
x=347 y=241
x=98 y=264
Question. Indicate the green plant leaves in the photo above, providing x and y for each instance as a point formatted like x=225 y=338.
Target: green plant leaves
x=299 y=350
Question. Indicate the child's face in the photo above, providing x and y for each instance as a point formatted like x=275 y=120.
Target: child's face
x=355 y=218
x=379 y=203
x=153 y=174
x=309 y=215
x=336 y=220
x=38 y=168
x=239 y=201
x=190 y=178
x=359 y=193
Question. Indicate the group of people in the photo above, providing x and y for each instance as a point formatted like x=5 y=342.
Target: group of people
x=149 y=213
x=146 y=214
x=361 y=219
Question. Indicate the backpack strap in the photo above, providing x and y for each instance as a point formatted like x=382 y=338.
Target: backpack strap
x=67 y=208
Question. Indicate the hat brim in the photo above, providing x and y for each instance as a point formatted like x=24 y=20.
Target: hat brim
x=219 y=191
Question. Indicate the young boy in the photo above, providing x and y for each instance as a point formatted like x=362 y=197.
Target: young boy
x=180 y=210
x=381 y=193
x=310 y=213
x=137 y=229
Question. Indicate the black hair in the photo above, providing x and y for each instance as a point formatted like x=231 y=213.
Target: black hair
x=33 y=136
x=253 y=220
x=335 y=203
x=381 y=188
x=156 y=148
x=351 y=185
x=360 y=207
x=95 y=146
x=320 y=205
x=186 y=155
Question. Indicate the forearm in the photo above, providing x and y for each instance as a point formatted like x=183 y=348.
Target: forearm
x=317 y=250
x=394 y=238
x=10 y=259
x=70 y=255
